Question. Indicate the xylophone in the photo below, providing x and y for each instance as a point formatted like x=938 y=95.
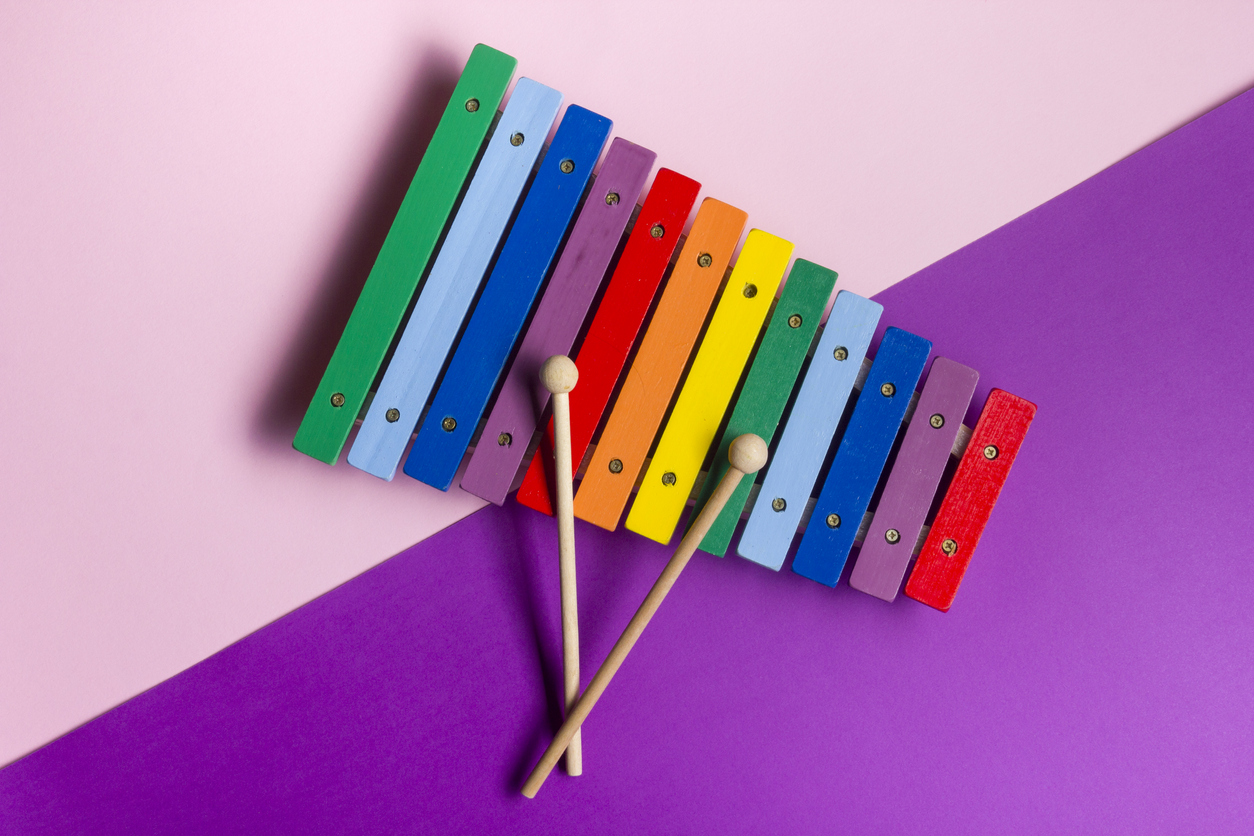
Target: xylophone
x=679 y=352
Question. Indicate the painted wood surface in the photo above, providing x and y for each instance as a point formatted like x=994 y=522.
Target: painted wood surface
x=559 y=376
x=593 y=240
x=455 y=278
x=965 y=510
x=702 y=402
x=659 y=363
x=770 y=381
x=508 y=295
x=912 y=484
x=617 y=321
x=807 y=436
x=405 y=253
x=861 y=456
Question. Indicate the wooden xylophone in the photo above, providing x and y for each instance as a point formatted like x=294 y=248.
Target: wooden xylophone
x=495 y=220
x=461 y=223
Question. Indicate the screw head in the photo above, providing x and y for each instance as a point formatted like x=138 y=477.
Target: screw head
x=778 y=503
x=504 y=439
x=337 y=400
x=841 y=353
x=892 y=535
x=991 y=451
x=937 y=420
x=833 y=520
x=657 y=231
x=888 y=390
x=393 y=415
x=611 y=199
x=516 y=140
x=705 y=260
x=449 y=423
x=948 y=546
x=751 y=290
x=472 y=105
x=567 y=166
x=616 y=465
x=794 y=321
x=668 y=479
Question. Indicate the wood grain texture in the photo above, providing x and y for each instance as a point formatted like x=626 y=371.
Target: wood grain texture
x=646 y=393
x=912 y=484
x=559 y=377
x=403 y=258
x=716 y=369
x=969 y=502
x=524 y=263
x=516 y=413
x=455 y=277
x=807 y=436
x=861 y=456
x=617 y=321
x=770 y=381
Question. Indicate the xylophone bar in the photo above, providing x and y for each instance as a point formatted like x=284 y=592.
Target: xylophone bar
x=529 y=251
x=762 y=400
x=403 y=258
x=911 y=486
x=585 y=258
x=741 y=377
x=711 y=382
x=627 y=298
x=807 y=436
x=861 y=456
x=659 y=365
x=458 y=271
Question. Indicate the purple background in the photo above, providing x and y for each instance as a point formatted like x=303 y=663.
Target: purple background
x=1095 y=673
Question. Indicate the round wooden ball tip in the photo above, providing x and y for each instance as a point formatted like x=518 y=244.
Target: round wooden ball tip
x=559 y=374
x=748 y=453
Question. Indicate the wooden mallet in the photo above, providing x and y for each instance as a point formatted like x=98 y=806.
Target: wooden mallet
x=559 y=376
x=747 y=455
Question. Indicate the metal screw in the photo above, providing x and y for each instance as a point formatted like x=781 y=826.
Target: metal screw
x=751 y=290
x=949 y=546
x=611 y=199
x=337 y=400
x=833 y=520
x=449 y=424
x=516 y=140
x=705 y=260
x=393 y=415
x=888 y=390
x=794 y=321
x=668 y=478
x=504 y=439
x=937 y=420
x=841 y=353
x=892 y=535
x=990 y=452
x=616 y=465
x=778 y=503
x=472 y=105
x=567 y=166
x=657 y=231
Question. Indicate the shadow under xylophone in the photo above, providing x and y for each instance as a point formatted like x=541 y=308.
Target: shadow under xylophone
x=492 y=214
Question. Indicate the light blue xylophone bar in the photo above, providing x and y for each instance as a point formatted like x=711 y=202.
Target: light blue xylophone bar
x=455 y=277
x=525 y=260
x=807 y=435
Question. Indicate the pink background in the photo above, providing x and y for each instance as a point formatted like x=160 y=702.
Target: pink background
x=186 y=194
